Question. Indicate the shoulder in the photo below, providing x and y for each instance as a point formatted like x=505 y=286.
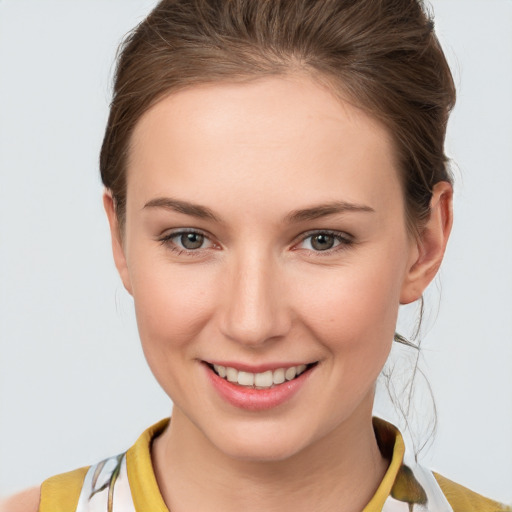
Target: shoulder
x=61 y=492
x=463 y=499
x=25 y=501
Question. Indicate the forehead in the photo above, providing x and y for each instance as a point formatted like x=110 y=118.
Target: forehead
x=260 y=138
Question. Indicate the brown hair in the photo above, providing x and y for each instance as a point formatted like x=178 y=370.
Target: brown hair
x=382 y=55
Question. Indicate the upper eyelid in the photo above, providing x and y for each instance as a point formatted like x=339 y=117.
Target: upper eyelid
x=332 y=232
x=166 y=238
x=167 y=234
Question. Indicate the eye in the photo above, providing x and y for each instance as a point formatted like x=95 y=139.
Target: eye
x=321 y=241
x=188 y=240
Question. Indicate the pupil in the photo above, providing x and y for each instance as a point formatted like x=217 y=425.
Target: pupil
x=192 y=240
x=322 y=242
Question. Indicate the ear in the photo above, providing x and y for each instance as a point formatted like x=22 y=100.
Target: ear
x=117 y=242
x=429 y=247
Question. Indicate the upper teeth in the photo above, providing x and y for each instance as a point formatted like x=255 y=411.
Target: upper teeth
x=259 y=380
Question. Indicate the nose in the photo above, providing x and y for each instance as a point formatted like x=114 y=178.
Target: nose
x=255 y=310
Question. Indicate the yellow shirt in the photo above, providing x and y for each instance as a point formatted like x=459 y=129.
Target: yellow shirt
x=131 y=474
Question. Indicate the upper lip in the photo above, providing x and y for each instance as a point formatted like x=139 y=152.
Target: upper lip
x=257 y=368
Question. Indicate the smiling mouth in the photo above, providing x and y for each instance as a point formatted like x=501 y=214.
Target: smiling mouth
x=263 y=380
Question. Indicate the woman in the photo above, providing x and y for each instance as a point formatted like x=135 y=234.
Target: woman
x=276 y=187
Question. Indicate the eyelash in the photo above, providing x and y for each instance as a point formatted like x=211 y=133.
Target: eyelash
x=166 y=240
x=344 y=241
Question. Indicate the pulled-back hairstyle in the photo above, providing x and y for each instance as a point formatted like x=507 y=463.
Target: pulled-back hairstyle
x=381 y=55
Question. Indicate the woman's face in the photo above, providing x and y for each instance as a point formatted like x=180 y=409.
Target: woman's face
x=265 y=231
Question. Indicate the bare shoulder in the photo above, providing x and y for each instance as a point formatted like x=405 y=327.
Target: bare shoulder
x=24 y=501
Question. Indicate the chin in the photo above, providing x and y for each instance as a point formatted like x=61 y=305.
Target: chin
x=263 y=443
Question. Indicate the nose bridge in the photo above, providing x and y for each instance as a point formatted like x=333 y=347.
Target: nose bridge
x=254 y=311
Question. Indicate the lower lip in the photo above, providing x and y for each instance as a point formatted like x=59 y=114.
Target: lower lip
x=256 y=399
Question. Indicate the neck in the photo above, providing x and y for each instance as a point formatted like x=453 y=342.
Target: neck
x=341 y=472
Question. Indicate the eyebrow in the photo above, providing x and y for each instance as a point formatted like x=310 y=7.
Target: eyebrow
x=194 y=210
x=324 y=210
x=305 y=214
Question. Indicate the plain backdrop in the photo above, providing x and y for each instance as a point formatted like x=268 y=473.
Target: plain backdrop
x=74 y=384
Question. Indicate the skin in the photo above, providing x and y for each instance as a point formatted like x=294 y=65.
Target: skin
x=257 y=291
x=25 y=501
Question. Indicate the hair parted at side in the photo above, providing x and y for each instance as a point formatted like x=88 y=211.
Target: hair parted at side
x=382 y=55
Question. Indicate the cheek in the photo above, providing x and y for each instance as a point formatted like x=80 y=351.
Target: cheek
x=172 y=304
x=354 y=309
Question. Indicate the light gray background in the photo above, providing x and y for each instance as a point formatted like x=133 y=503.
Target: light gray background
x=74 y=385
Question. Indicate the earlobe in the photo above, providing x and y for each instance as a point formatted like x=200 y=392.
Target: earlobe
x=430 y=245
x=117 y=243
